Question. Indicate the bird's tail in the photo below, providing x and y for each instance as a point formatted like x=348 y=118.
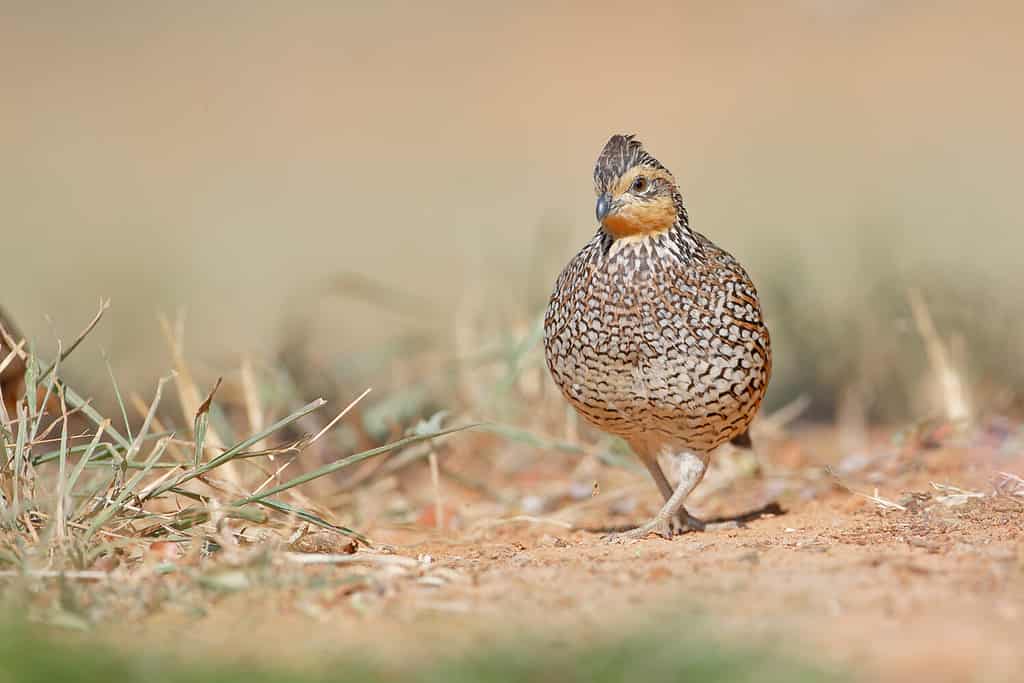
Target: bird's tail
x=743 y=440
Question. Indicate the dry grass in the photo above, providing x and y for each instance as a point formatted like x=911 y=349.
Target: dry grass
x=83 y=497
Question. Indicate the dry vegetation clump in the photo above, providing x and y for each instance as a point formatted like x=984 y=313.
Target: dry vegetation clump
x=88 y=497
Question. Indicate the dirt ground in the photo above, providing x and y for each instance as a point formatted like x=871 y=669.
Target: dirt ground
x=925 y=580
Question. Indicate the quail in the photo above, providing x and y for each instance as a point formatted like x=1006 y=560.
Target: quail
x=655 y=334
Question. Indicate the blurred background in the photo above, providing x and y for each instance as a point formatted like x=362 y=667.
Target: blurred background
x=344 y=186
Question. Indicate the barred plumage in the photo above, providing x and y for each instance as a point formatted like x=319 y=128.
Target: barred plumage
x=654 y=333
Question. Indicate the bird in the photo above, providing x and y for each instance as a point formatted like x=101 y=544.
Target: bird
x=655 y=334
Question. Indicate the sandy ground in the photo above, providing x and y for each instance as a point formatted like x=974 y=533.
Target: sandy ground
x=933 y=587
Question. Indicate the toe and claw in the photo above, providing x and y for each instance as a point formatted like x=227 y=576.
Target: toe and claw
x=676 y=525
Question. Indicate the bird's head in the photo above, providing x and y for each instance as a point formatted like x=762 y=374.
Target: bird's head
x=636 y=194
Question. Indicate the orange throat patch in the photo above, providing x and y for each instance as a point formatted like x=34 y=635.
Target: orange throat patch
x=641 y=219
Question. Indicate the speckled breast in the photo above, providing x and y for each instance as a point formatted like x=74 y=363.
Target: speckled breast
x=659 y=337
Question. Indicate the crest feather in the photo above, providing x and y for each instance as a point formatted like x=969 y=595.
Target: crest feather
x=621 y=153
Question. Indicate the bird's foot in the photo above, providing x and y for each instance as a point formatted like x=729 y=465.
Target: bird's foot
x=687 y=522
x=666 y=527
x=669 y=527
x=663 y=528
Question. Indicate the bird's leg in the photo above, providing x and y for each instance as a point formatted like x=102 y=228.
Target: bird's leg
x=683 y=520
x=659 y=477
x=668 y=520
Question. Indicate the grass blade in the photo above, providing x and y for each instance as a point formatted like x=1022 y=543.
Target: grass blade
x=15 y=353
x=136 y=445
x=4 y=446
x=61 y=512
x=238 y=448
x=31 y=375
x=84 y=460
x=104 y=305
x=347 y=462
x=202 y=421
x=19 y=453
x=50 y=381
x=104 y=516
x=531 y=439
x=305 y=515
x=76 y=401
x=120 y=400
x=111 y=449
x=144 y=429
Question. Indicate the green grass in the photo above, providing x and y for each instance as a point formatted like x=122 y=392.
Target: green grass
x=28 y=655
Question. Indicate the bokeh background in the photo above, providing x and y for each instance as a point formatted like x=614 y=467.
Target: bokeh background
x=350 y=174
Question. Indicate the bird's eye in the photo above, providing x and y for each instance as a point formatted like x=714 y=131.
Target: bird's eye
x=640 y=184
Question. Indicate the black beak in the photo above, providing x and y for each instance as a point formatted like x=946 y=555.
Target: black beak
x=604 y=205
